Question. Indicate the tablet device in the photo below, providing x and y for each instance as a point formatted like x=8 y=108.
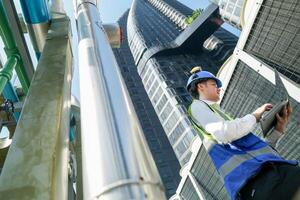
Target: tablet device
x=268 y=120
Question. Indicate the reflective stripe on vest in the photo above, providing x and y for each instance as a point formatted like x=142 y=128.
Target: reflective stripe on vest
x=236 y=160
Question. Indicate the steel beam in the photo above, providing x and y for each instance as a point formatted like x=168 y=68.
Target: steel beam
x=36 y=164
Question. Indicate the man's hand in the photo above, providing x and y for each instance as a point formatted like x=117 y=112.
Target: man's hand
x=259 y=111
x=283 y=117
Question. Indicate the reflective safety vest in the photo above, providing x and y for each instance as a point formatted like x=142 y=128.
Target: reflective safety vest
x=238 y=161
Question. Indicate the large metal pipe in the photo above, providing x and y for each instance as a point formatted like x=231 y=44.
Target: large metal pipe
x=116 y=160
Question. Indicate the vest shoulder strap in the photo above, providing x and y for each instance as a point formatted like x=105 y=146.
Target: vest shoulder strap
x=202 y=132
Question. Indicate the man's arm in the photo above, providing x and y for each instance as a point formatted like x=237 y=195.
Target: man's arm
x=223 y=131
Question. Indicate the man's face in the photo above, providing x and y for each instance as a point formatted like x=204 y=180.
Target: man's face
x=209 y=90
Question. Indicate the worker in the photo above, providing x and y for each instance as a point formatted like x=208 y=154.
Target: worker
x=249 y=166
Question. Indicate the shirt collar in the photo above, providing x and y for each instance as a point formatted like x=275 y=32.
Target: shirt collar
x=207 y=101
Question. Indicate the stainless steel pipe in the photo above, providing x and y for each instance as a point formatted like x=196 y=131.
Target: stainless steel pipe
x=116 y=160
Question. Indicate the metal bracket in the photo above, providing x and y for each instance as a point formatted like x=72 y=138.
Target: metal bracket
x=125 y=182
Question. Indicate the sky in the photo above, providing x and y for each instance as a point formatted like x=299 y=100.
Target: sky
x=111 y=10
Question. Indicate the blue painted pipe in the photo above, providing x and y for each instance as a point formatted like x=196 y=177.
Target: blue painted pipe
x=37 y=17
x=35 y=11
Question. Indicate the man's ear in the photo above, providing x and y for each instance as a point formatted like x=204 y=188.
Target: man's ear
x=200 y=86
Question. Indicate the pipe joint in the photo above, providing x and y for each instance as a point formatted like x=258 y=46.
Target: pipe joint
x=6 y=74
x=12 y=52
x=15 y=57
